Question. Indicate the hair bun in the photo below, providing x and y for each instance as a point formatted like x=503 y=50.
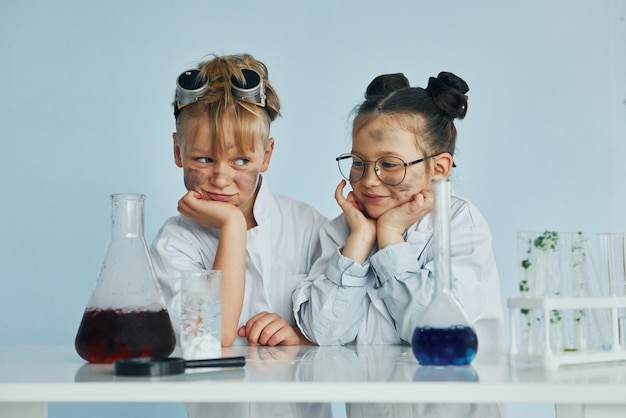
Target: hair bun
x=448 y=93
x=385 y=84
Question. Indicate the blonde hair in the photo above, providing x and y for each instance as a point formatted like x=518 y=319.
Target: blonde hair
x=250 y=121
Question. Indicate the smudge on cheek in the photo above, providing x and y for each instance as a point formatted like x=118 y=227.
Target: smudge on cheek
x=247 y=182
x=194 y=178
x=403 y=193
x=402 y=188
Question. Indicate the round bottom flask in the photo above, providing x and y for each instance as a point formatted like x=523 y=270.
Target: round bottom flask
x=444 y=336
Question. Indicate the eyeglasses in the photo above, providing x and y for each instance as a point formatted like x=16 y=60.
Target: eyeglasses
x=191 y=86
x=390 y=170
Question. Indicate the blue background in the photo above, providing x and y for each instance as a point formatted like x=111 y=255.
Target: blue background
x=87 y=87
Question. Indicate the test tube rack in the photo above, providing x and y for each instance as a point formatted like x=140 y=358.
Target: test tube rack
x=553 y=360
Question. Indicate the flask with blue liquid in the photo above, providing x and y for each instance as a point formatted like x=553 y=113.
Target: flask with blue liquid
x=444 y=336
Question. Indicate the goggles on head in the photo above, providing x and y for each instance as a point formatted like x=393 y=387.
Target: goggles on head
x=191 y=86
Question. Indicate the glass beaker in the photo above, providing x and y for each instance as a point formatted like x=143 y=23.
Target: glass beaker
x=125 y=315
x=444 y=336
x=201 y=314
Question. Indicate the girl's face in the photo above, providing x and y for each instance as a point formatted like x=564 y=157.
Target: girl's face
x=378 y=139
x=231 y=176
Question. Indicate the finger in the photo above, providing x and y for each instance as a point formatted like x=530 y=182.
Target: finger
x=194 y=201
x=420 y=204
x=352 y=199
x=256 y=325
x=186 y=200
x=277 y=337
x=183 y=207
x=245 y=331
x=282 y=335
x=339 y=192
x=269 y=332
x=250 y=323
x=241 y=331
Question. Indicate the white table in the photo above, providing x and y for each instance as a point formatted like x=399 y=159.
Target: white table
x=33 y=376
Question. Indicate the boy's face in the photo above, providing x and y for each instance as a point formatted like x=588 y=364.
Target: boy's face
x=376 y=140
x=231 y=176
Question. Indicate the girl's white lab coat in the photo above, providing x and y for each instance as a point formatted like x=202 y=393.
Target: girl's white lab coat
x=381 y=301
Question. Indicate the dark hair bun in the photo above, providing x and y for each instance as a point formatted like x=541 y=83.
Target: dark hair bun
x=448 y=93
x=385 y=84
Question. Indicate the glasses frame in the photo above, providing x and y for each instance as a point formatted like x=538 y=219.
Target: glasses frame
x=376 y=168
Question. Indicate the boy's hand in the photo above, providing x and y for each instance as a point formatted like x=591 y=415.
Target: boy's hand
x=268 y=328
x=207 y=212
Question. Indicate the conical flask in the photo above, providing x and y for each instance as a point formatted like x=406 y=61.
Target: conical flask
x=444 y=336
x=125 y=315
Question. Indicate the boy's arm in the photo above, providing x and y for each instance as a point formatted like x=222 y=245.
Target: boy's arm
x=230 y=255
x=230 y=258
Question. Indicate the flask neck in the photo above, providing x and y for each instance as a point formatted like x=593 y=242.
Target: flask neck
x=127 y=215
x=441 y=213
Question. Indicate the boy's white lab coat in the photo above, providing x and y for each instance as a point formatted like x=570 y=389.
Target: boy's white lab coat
x=279 y=253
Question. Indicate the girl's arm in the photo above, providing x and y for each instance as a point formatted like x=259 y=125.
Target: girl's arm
x=407 y=284
x=329 y=306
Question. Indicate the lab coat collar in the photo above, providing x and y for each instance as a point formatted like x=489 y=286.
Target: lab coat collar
x=262 y=203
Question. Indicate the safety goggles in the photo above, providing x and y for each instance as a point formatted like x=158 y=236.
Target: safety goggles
x=191 y=86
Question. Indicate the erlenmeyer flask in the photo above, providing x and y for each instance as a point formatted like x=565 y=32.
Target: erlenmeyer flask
x=125 y=316
x=444 y=336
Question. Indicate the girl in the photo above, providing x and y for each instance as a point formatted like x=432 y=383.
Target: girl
x=374 y=280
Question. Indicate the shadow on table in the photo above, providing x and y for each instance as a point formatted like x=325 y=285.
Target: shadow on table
x=90 y=372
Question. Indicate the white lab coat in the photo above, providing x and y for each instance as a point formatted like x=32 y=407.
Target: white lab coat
x=382 y=301
x=280 y=251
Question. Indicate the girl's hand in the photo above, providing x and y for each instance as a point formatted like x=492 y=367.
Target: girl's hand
x=392 y=224
x=362 y=229
x=358 y=221
x=207 y=212
x=268 y=328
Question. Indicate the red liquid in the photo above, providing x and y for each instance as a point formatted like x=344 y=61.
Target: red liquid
x=108 y=335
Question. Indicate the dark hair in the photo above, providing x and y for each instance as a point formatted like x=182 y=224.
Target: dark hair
x=429 y=113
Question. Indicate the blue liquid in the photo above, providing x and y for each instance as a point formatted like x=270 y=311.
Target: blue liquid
x=444 y=346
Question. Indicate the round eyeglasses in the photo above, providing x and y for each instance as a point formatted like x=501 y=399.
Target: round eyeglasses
x=390 y=170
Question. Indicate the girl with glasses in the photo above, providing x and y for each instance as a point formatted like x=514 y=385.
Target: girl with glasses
x=375 y=277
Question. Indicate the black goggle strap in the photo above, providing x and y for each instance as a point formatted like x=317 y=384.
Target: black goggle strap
x=191 y=86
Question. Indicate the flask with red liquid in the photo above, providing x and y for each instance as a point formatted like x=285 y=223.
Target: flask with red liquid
x=444 y=336
x=125 y=315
